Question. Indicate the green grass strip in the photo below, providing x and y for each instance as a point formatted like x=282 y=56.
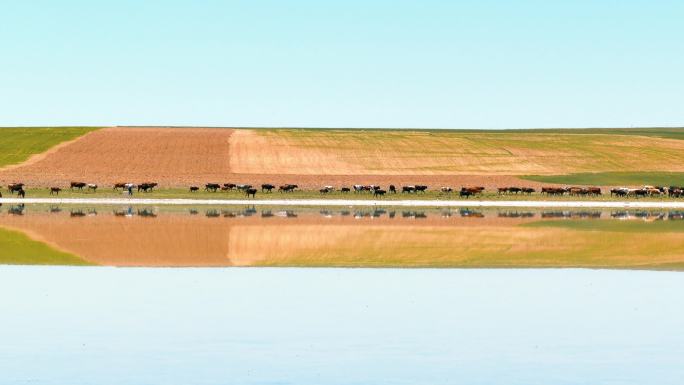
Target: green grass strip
x=614 y=178
x=18 y=249
x=17 y=144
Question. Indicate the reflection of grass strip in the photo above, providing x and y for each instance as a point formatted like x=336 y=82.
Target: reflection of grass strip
x=18 y=249
x=19 y=143
x=613 y=178
x=613 y=225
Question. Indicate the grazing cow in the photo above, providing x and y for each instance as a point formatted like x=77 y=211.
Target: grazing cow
x=251 y=191
x=324 y=190
x=243 y=187
x=78 y=185
x=379 y=192
x=228 y=186
x=287 y=188
x=473 y=190
x=345 y=189
x=194 y=188
x=465 y=193
x=54 y=190
x=596 y=191
x=267 y=187
x=21 y=193
x=119 y=186
x=502 y=190
x=213 y=187
x=359 y=188
x=330 y=188
x=392 y=189
x=527 y=190
x=421 y=188
x=15 y=187
x=553 y=190
x=408 y=189
x=514 y=190
x=146 y=186
x=92 y=187
x=447 y=190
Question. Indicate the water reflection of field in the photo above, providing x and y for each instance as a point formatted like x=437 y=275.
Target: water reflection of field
x=400 y=237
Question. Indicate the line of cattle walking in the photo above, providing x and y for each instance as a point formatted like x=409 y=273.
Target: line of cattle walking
x=377 y=191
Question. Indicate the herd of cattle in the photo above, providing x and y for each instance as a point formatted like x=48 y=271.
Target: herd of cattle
x=377 y=191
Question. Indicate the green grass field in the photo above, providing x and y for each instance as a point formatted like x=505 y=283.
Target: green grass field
x=17 y=144
x=18 y=249
x=614 y=178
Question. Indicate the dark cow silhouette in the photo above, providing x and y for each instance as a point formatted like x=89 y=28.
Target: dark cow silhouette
x=251 y=191
x=267 y=187
x=55 y=190
x=194 y=188
x=211 y=187
x=77 y=185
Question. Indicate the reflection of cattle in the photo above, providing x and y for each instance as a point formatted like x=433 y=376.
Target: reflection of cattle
x=467 y=213
x=251 y=191
x=16 y=210
x=55 y=190
x=77 y=185
x=147 y=213
x=267 y=187
x=213 y=187
x=77 y=213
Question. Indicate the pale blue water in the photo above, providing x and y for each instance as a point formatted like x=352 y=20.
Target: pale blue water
x=62 y=325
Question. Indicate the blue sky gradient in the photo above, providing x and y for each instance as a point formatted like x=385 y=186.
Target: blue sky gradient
x=441 y=64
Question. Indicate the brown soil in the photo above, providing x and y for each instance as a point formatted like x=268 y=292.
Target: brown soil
x=178 y=157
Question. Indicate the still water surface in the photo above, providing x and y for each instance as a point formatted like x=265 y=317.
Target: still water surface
x=95 y=325
x=342 y=237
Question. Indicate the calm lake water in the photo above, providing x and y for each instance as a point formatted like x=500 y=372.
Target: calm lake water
x=341 y=237
x=99 y=325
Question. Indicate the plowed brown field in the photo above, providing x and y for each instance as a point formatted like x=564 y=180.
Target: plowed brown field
x=177 y=157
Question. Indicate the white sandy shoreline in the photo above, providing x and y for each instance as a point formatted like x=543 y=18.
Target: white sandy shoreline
x=346 y=202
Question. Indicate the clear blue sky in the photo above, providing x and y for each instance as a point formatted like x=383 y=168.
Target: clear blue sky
x=427 y=63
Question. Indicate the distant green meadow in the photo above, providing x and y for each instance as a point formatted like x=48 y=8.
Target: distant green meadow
x=614 y=178
x=17 y=144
